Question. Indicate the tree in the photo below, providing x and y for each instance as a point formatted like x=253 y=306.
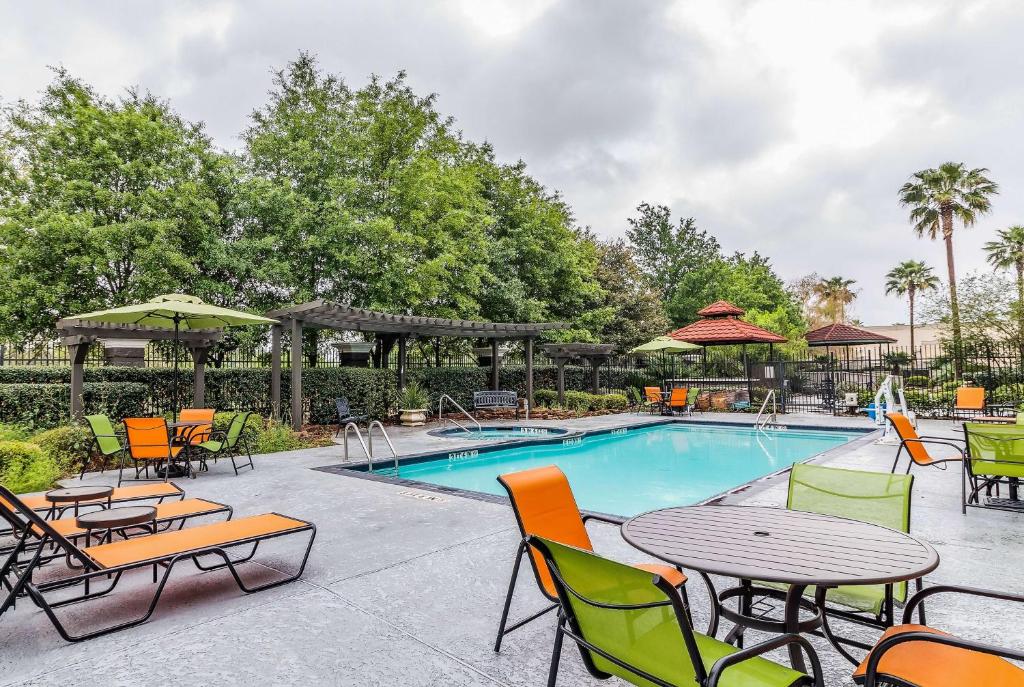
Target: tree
x=636 y=311
x=834 y=295
x=937 y=198
x=988 y=315
x=105 y=202
x=908 y=278
x=1007 y=253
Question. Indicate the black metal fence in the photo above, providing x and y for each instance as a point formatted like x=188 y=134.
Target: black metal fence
x=815 y=380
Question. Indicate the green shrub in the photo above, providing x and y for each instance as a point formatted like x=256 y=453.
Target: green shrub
x=916 y=381
x=26 y=467
x=14 y=433
x=274 y=437
x=545 y=397
x=615 y=402
x=68 y=445
x=40 y=405
x=951 y=385
x=579 y=401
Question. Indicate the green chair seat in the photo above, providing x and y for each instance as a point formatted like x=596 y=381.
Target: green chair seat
x=652 y=638
x=212 y=446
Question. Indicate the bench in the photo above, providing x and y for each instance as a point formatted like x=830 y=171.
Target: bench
x=489 y=400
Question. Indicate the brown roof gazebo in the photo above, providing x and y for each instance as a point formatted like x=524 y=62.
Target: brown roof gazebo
x=846 y=335
x=720 y=326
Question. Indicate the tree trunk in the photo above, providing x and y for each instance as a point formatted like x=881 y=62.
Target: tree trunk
x=954 y=304
x=913 y=349
x=1020 y=307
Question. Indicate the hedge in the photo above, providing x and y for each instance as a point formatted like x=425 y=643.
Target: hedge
x=48 y=405
x=25 y=467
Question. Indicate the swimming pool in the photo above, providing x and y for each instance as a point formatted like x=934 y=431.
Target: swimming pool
x=509 y=432
x=626 y=472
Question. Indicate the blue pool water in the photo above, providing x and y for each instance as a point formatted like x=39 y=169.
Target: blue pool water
x=642 y=469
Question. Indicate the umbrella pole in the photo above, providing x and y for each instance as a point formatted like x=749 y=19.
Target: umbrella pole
x=174 y=394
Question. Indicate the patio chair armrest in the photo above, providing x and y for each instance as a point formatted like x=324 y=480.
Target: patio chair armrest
x=957 y=439
x=603 y=518
x=937 y=442
x=920 y=596
x=871 y=670
x=726 y=662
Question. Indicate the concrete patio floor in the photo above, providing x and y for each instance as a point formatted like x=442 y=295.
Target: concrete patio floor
x=401 y=590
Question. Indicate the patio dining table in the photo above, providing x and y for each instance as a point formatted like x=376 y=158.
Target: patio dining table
x=794 y=548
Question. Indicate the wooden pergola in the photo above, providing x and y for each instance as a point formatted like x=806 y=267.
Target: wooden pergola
x=595 y=354
x=78 y=336
x=391 y=328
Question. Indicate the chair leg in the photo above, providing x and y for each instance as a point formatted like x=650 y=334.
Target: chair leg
x=556 y=652
x=508 y=596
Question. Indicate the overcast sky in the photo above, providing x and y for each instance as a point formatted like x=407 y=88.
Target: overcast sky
x=785 y=127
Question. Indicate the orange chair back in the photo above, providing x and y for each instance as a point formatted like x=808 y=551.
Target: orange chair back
x=653 y=394
x=196 y=435
x=970 y=398
x=678 y=397
x=905 y=430
x=545 y=507
x=147 y=438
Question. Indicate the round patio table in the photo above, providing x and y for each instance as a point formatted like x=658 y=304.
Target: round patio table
x=191 y=426
x=795 y=548
x=116 y=518
x=77 y=495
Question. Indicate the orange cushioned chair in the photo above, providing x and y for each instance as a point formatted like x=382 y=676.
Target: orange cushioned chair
x=915 y=445
x=111 y=561
x=149 y=442
x=545 y=507
x=918 y=656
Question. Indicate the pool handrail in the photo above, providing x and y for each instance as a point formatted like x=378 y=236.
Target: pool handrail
x=443 y=419
x=387 y=440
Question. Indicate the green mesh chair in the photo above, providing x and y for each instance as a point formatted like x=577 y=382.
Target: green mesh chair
x=633 y=625
x=995 y=456
x=691 y=400
x=105 y=442
x=230 y=443
x=879 y=498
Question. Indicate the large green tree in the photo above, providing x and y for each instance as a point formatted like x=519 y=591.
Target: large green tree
x=909 y=278
x=635 y=311
x=1008 y=253
x=938 y=198
x=105 y=202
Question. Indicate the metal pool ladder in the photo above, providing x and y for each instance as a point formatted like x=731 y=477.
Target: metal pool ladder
x=769 y=420
x=368 y=450
x=440 y=413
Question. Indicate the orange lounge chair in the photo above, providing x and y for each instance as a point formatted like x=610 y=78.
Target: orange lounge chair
x=544 y=506
x=160 y=492
x=970 y=401
x=916 y=445
x=111 y=561
x=653 y=398
x=677 y=401
x=919 y=656
x=149 y=443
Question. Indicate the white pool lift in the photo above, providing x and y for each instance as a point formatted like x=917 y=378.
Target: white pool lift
x=885 y=402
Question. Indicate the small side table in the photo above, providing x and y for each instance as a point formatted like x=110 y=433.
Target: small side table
x=58 y=498
x=115 y=519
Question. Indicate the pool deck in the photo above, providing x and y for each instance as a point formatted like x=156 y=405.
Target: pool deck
x=405 y=586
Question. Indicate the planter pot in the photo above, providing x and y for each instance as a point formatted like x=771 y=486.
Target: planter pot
x=413 y=418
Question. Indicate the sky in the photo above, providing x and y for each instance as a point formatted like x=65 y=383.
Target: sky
x=782 y=126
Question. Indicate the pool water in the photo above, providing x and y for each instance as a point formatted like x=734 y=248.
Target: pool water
x=626 y=473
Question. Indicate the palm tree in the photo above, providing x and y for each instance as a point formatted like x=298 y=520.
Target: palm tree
x=938 y=197
x=907 y=278
x=1007 y=253
x=835 y=294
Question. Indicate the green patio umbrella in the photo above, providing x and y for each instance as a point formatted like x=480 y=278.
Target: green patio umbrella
x=176 y=310
x=665 y=344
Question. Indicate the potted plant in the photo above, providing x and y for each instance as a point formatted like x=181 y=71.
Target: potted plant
x=412 y=404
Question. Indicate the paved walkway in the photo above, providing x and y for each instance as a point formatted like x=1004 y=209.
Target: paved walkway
x=407 y=591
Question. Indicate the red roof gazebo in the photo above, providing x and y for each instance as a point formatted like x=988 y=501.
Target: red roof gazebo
x=845 y=335
x=720 y=326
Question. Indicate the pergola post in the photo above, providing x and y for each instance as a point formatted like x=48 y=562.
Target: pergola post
x=402 y=339
x=296 y=374
x=78 y=352
x=275 y=371
x=200 y=354
x=595 y=372
x=529 y=373
x=495 y=364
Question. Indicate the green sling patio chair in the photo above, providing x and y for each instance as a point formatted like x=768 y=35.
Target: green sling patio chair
x=105 y=441
x=995 y=456
x=231 y=442
x=691 y=400
x=632 y=624
x=879 y=498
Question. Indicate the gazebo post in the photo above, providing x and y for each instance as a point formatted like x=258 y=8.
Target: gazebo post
x=296 y=374
x=200 y=354
x=401 y=360
x=495 y=364
x=529 y=373
x=78 y=350
x=746 y=373
x=275 y=371
x=437 y=351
